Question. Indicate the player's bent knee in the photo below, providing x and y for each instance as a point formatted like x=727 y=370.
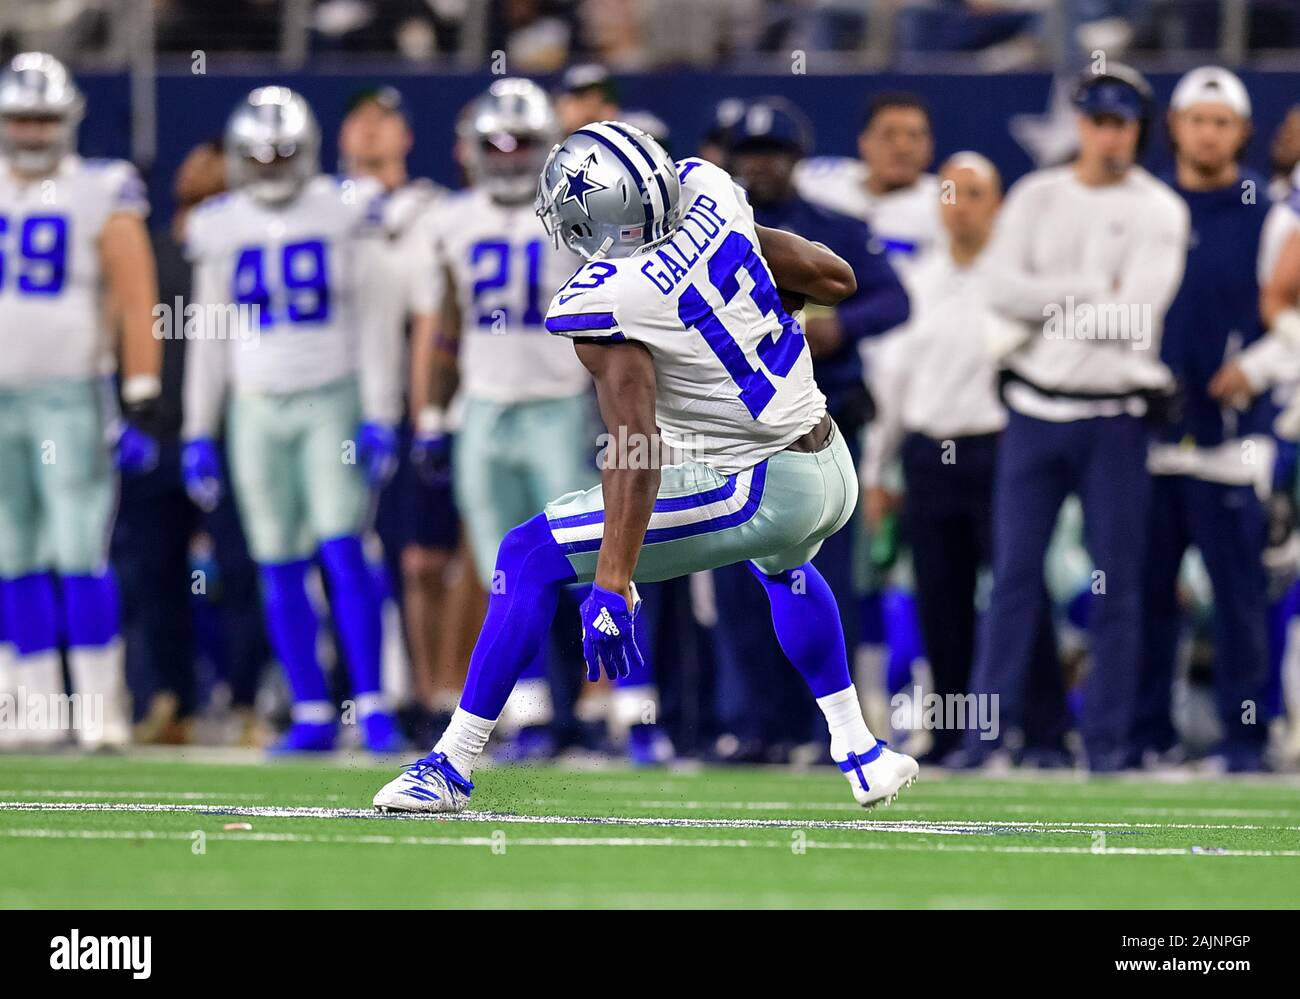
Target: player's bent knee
x=773 y=566
x=530 y=552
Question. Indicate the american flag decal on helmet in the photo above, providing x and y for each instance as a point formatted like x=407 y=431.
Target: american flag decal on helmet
x=631 y=232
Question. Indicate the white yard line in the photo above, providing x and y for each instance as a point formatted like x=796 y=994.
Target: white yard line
x=499 y=842
x=28 y=792
x=942 y=827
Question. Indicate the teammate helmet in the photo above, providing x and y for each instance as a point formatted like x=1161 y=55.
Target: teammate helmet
x=272 y=144
x=1120 y=91
x=505 y=134
x=36 y=85
x=609 y=190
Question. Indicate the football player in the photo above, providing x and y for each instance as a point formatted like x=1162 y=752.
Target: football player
x=311 y=376
x=679 y=318
x=526 y=432
x=75 y=266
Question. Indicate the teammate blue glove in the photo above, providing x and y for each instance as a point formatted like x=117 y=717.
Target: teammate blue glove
x=431 y=448
x=377 y=452
x=431 y=458
x=608 y=638
x=134 y=452
x=201 y=469
x=135 y=444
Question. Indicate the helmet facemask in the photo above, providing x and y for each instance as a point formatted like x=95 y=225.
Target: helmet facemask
x=40 y=108
x=272 y=145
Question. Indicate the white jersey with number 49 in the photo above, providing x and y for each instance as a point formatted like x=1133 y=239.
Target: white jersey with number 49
x=733 y=371
x=52 y=320
x=292 y=271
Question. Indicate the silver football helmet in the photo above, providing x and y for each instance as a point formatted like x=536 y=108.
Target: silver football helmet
x=41 y=107
x=272 y=145
x=506 y=134
x=609 y=190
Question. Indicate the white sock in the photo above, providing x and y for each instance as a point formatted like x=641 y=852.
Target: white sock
x=464 y=740
x=99 y=672
x=849 y=732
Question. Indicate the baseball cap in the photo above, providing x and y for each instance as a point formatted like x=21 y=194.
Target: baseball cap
x=772 y=122
x=1211 y=85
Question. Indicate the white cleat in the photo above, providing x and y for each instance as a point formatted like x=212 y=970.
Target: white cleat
x=431 y=784
x=877 y=775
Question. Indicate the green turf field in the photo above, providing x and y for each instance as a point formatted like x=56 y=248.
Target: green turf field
x=152 y=831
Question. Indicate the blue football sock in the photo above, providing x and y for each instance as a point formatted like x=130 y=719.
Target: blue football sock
x=91 y=615
x=903 y=636
x=807 y=624
x=533 y=569
x=29 y=610
x=357 y=612
x=873 y=618
x=291 y=625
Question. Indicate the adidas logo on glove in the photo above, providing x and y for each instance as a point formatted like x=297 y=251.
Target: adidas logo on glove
x=604 y=623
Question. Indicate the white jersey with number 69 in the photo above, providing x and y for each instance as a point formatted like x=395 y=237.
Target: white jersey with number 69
x=733 y=370
x=52 y=317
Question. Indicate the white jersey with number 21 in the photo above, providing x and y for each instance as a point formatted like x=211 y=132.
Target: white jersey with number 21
x=733 y=371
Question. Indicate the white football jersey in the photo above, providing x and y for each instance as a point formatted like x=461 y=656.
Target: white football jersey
x=296 y=267
x=52 y=317
x=905 y=221
x=504 y=270
x=733 y=371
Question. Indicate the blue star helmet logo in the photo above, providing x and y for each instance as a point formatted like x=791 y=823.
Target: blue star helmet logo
x=580 y=185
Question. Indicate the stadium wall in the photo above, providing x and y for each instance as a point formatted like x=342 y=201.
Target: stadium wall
x=970 y=112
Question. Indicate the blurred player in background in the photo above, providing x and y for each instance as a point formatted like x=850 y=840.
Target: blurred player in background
x=679 y=349
x=158 y=540
x=416 y=517
x=317 y=361
x=768 y=141
x=526 y=432
x=1086 y=257
x=1214 y=466
x=78 y=272
x=887 y=186
x=525 y=414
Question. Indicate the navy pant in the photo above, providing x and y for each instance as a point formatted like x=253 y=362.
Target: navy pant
x=948 y=523
x=1103 y=461
x=1229 y=527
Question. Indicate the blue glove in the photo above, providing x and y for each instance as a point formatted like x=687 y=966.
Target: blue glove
x=377 y=452
x=608 y=637
x=134 y=452
x=431 y=458
x=201 y=469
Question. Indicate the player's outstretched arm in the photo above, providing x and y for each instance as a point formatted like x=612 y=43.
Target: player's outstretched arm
x=808 y=268
x=624 y=374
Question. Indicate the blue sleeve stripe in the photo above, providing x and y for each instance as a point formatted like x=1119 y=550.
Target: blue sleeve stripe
x=581 y=321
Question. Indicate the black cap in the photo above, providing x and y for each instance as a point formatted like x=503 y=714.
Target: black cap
x=588 y=76
x=388 y=98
